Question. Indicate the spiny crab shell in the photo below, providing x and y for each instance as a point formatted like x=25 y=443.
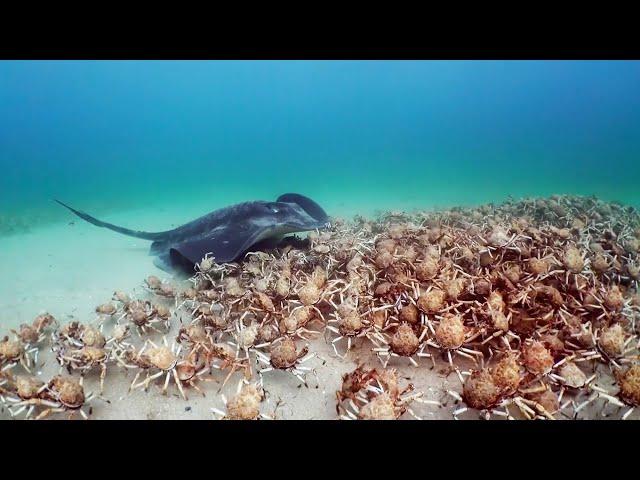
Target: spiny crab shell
x=248 y=336
x=480 y=390
x=106 y=309
x=11 y=349
x=309 y=294
x=92 y=337
x=506 y=373
x=28 y=333
x=351 y=324
x=285 y=354
x=92 y=354
x=381 y=407
x=612 y=340
x=28 y=387
x=161 y=357
x=43 y=320
x=574 y=377
x=185 y=370
x=432 y=301
x=537 y=358
x=246 y=404
x=404 y=341
x=68 y=391
x=450 y=332
x=629 y=383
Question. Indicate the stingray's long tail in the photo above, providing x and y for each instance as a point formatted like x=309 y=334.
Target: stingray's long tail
x=115 y=228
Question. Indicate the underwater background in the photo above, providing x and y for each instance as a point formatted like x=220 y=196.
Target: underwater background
x=150 y=145
x=357 y=136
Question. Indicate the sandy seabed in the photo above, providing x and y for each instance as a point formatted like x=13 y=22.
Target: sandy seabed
x=69 y=269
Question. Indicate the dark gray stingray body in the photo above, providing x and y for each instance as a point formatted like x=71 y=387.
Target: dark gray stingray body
x=228 y=233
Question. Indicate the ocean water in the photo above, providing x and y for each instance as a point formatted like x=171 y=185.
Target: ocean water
x=110 y=136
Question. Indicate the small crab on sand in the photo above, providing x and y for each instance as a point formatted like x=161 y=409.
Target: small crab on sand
x=34 y=334
x=161 y=288
x=629 y=383
x=403 y=343
x=85 y=359
x=77 y=335
x=349 y=324
x=60 y=395
x=16 y=389
x=223 y=356
x=106 y=311
x=14 y=352
x=284 y=355
x=144 y=315
x=497 y=387
x=244 y=405
x=156 y=361
x=450 y=335
x=373 y=395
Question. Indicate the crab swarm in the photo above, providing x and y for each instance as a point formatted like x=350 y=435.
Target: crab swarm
x=531 y=306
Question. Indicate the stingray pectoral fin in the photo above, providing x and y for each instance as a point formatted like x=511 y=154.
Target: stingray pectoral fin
x=166 y=263
x=223 y=245
x=158 y=247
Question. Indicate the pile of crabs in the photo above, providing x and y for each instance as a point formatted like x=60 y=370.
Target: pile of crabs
x=530 y=305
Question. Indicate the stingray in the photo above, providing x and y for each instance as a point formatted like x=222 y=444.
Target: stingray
x=226 y=234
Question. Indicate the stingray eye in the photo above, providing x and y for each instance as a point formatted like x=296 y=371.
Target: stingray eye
x=273 y=208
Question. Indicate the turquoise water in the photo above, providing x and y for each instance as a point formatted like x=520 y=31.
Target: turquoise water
x=357 y=136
